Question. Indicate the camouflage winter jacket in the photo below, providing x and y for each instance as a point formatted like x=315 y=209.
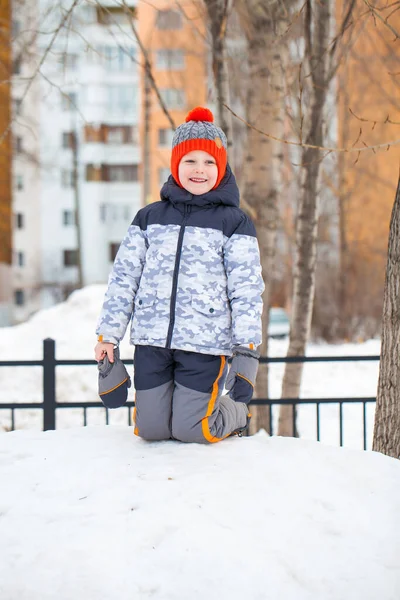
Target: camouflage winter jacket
x=188 y=274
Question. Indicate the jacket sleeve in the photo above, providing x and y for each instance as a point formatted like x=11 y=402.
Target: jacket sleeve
x=122 y=285
x=245 y=283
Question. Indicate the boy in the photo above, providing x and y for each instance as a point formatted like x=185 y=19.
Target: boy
x=188 y=274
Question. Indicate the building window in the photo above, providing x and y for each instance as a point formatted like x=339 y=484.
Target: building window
x=17 y=63
x=170 y=60
x=88 y=14
x=19 y=221
x=163 y=174
x=112 y=173
x=93 y=133
x=68 y=101
x=113 y=251
x=18 y=144
x=165 y=137
x=19 y=182
x=67 y=178
x=127 y=212
x=121 y=134
x=68 y=139
x=69 y=61
x=17 y=106
x=173 y=98
x=169 y=19
x=122 y=173
x=20 y=259
x=103 y=213
x=118 y=58
x=16 y=28
x=68 y=217
x=94 y=173
x=115 y=15
x=112 y=134
x=122 y=97
x=70 y=258
x=19 y=297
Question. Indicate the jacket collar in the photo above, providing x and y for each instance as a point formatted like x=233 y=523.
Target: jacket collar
x=226 y=193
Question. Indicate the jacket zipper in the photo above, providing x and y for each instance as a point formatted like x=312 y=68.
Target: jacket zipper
x=186 y=213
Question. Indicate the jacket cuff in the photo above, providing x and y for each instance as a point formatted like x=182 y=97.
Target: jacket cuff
x=246 y=350
x=107 y=339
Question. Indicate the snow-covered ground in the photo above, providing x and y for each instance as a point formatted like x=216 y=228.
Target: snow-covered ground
x=98 y=514
x=72 y=325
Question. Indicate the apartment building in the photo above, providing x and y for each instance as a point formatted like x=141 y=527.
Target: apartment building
x=5 y=164
x=174 y=37
x=82 y=132
x=77 y=156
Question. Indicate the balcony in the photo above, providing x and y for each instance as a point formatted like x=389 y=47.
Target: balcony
x=112 y=154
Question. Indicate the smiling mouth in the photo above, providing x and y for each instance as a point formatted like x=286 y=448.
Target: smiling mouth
x=197 y=180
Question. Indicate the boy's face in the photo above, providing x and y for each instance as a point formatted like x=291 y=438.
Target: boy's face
x=198 y=172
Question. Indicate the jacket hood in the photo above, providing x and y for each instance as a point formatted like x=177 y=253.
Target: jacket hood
x=226 y=193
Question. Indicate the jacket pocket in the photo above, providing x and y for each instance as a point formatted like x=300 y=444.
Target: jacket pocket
x=210 y=307
x=145 y=301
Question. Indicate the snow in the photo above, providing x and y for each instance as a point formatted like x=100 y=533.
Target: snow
x=72 y=324
x=98 y=514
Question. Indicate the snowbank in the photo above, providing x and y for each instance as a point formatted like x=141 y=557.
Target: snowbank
x=98 y=514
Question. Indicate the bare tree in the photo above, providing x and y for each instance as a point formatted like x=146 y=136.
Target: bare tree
x=317 y=19
x=387 y=414
x=218 y=16
x=265 y=23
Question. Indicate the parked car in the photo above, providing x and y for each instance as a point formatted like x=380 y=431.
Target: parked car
x=279 y=325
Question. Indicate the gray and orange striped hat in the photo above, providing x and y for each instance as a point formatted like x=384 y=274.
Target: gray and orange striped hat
x=199 y=133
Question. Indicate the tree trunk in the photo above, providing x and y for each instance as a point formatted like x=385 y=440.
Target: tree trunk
x=264 y=23
x=317 y=38
x=146 y=140
x=387 y=414
x=218 y=15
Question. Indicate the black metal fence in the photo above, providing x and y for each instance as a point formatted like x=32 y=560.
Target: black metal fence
x=49 y=406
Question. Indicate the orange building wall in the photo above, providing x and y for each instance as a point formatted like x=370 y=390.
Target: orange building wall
x=369 y=85
x=193 y=78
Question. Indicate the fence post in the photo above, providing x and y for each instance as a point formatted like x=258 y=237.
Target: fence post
x=49 y=384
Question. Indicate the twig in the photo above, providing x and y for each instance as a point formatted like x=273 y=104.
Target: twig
x=38 y=68
x=375 y=122
x=376 y=14
x=303 y=145
x=147 y=66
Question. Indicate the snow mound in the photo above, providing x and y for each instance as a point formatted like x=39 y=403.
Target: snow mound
x=96 y=513
x=71 y=323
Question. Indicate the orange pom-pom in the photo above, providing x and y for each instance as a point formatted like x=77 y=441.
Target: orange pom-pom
x=200 y=114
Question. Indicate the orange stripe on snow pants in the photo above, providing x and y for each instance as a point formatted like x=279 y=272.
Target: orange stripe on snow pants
x=136 y=430
x=214 y=395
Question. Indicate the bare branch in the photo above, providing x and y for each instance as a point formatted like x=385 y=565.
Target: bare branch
x=38 y=68
x=303 y=145
x=147 y=64
x=387 y=120
x=375 y=13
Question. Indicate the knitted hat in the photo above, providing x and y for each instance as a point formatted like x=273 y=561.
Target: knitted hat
x=199 y=133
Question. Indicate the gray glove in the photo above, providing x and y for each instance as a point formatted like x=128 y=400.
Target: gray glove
x=242 y=374
x=114 y=381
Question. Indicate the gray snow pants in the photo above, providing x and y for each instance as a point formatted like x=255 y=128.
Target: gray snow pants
x=178 y=396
